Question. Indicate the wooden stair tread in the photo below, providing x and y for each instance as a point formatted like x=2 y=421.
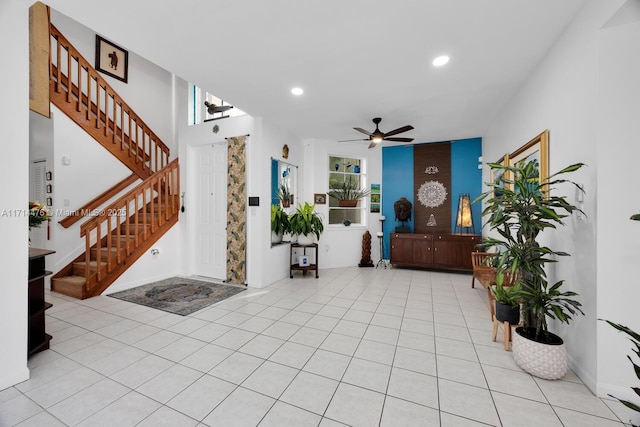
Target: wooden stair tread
x=71 y=280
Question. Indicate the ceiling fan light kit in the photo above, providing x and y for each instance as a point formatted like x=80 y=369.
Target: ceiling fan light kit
x=377 y=136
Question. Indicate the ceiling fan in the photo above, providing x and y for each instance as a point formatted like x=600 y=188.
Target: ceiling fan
x=378 y=136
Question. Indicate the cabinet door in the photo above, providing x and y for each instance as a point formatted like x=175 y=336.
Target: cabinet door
x=444 y=252
x=423 y=251
x=401 y=250
x=465 y=247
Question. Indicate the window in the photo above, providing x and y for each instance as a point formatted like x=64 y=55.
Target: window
x=199 y=111
x=347 y=175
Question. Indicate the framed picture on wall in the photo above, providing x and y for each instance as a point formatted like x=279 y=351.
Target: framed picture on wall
x=320 y=198
x=498 y=174
x=536 y=149
x=111 y=60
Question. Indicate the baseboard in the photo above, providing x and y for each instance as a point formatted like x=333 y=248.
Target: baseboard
x=10 y=379
x=585 y=376
x=128 y=285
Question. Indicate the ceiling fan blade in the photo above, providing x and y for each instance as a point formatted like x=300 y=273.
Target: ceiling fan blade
x=350 y=140
x=373 y=144
x=399 y=130
x=399 y=139
x=366 y=132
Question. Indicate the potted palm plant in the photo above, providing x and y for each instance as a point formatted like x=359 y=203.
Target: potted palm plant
x=348 y=193
x=305 y=222
x=519 y=206
x=279 y=223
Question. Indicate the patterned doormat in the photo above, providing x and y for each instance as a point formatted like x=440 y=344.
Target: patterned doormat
x=178 y=295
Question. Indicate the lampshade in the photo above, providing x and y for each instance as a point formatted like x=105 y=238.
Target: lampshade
x=464 y=219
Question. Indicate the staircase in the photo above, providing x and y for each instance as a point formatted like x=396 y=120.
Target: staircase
x=116 y=235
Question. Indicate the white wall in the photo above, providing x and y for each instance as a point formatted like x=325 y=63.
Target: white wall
x=14 y=193
x=562 y=95
x=148 y=90
x=618 y=237
x=341 y=246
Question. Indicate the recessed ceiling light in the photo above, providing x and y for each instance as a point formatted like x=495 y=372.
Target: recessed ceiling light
x=297 y=91
x=440 y=60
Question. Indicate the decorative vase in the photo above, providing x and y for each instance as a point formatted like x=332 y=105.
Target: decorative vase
x=306 y=239
x=508 y=313
x=546 y=361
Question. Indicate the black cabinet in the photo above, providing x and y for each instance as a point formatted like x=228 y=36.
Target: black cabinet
x=295 y=264
x=38 y=339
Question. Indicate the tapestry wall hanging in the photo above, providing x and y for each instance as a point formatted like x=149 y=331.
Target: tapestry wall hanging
x=236 y=210
x=432 y=187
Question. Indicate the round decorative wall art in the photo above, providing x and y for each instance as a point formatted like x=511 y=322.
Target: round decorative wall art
x=432 y=194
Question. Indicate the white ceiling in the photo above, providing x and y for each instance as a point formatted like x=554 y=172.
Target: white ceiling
x=355 y=59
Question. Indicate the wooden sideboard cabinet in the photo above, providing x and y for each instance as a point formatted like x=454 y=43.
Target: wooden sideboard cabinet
x=38 y=338
x=441 y=251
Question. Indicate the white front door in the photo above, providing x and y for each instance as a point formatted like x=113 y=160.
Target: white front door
x=211 y=211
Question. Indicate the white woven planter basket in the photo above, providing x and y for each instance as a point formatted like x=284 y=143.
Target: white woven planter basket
x=544 y=361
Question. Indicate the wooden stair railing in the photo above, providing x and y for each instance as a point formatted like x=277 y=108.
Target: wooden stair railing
x=121 y=233
x=79 y=90
x=90 y=207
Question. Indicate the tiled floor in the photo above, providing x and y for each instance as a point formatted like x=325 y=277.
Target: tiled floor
x=358 y=347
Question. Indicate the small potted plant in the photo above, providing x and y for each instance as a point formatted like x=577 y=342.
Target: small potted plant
x=507 y=300
x=305 y=222
x=348 y=193
x=284 y=195
x=279 y=223
x=38 y=213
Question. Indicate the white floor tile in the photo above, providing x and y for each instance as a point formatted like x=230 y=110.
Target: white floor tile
x=17 y=409
x=201 y=397
x=242 y=407
x=284 y=415
x=467 y=401
x=292 y=354
x=380 y=347
x=366 y=374
x=142 y=371
x=85 y=403
x=270 y=379
x=328 y=364
x=398 y=412
x=206 y=358
x=356 y=406
x=414 y=387
x=511 y=410
x=169 y=383
x=236 y=368
x=311 y=392
x=167 y=417
x=129 y=410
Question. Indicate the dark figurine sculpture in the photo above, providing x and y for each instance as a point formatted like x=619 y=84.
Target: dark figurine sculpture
x=402 y=208
x=366 y=261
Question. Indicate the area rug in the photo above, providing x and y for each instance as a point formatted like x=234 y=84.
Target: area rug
x=178 y=295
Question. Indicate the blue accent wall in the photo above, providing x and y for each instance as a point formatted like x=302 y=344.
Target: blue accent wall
x=466 y=177
x=397 y=181
x=274 y=182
